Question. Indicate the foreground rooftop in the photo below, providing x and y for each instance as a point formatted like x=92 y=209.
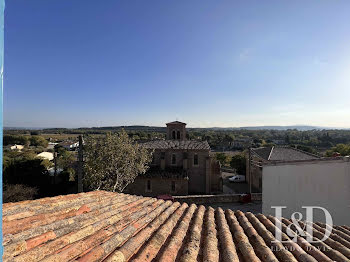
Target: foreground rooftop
x=105 y=226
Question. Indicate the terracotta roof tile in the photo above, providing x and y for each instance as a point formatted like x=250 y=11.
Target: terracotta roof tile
x=104 y=226
x=169 y=172
x=327 y=250
x=171 y=250
x=192 y=244
x=152 y=247
x=229 y=252
x=258 y=243
x=211 y=242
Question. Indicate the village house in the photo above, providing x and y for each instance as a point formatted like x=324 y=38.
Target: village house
x=17 y=147
x=179 y=166
x=69 y=145
x=51 y=145
x=263 y=155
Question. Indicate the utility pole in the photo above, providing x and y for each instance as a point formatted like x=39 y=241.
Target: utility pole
x=80 y=165
x=250 y=177
x=55 y=162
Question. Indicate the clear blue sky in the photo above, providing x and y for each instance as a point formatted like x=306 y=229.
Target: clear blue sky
x=208 y=63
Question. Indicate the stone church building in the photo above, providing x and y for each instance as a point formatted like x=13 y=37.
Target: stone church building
x=179 y=166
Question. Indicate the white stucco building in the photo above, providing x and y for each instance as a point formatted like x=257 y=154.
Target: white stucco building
x=319 y=182
x=17 y=147
x=46 y=155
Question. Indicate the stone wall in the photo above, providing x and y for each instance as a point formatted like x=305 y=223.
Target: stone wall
x=216 y=182
x=196 y=173
x=159 y=186
x=255 y=173
x=212 y=199
x=177 y=128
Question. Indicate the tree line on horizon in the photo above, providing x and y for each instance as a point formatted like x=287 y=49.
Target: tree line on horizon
x=220 y=140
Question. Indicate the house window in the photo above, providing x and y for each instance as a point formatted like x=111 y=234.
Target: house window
x=178 y=134
x=173 y=186
x=195 y=160
x=162 y=155
x=174 y=137
x=185 y=155
x=173 y=159
x=148 y=186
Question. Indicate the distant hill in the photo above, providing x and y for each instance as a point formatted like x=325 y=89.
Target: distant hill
x=22 y=128
x=298 y=127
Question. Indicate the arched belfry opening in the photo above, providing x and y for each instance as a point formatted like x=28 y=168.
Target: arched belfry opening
x=176 y=130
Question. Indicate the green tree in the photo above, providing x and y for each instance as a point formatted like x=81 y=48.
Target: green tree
x=307 y=149
x=67 y=160
x=46 y=163
x=34 y=133
x=38 y=141
x=342 y=149
x=222 y=158
x=113 y=161
x=14 y=139
x=26 y=171
x=239 y=163
x=287 y=139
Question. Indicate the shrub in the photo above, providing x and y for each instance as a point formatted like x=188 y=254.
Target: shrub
x=222 y=158
x=15 y=193
x=239 y=163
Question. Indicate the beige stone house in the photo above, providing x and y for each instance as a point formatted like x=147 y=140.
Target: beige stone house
x=179 y=166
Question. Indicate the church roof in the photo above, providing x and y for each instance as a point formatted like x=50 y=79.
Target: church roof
x=177 y=144
x=169 y=172
x=176 y=123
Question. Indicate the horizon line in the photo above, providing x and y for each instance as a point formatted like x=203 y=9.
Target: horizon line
x=226 y=127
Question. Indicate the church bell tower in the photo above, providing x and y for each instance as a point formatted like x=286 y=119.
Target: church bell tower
x=176 y=131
